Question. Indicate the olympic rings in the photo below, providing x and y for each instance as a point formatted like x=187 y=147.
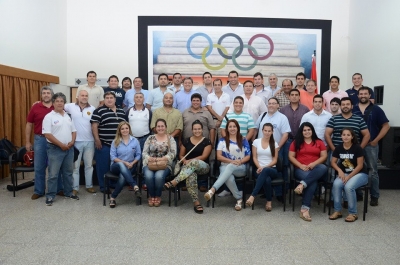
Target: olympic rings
x=271 y=45
x=194 y=36
x=240 y=45
x=240 y=67
x=204 y=55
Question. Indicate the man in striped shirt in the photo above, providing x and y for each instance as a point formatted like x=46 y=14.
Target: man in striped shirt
x=105 y=120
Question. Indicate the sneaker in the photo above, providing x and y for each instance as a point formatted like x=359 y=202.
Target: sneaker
x=35 y=196
x=144 y=187
x=74 y=192
x=224 y=193
x=91 y=190
x=73 y=197
x=60 y=193
x=374 y=201
x=49 y=201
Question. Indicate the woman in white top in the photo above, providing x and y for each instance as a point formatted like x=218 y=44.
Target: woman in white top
x=265 y=157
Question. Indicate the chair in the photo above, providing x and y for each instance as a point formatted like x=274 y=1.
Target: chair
x=110 y=176
x=17 y=165
x=274 y=182
x=366 y=188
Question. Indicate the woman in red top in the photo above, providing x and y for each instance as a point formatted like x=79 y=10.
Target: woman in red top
x=307 y=153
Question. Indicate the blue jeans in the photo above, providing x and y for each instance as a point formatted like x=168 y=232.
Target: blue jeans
x=371 y=158
x=227 y=176
x=125 y=176
x=40 y=165
x=352 y=184
x=284 y=155
x=264 y=181
x=102 y=157
x=86 y=150
x=155 y=180
x=59 y=162
x=142 y=140
x=309 y=179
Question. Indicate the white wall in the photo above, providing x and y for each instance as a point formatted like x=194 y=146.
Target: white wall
x=102 y=35
x=33 y=36
x=374 y=49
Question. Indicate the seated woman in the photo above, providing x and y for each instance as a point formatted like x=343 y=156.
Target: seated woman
x=307 y=153
x=265 y=157
x=124 y=153
x=234 y=152
x=159 y=147
x=195 y=163
x=350 y=174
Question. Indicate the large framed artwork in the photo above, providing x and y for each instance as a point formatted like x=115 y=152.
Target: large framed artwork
x=194 y=45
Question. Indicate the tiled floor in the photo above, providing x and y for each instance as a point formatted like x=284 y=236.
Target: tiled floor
x=85 y=232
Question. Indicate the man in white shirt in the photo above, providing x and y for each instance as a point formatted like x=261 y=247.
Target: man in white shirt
x=218 y=103
x=81 y=113
x=60 y=134
x=259 y=88
x=233 y=88
x=273 y=81
x=96 y=93
x=318 y=117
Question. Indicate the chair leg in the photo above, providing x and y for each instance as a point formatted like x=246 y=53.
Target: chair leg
x=244 y=192
x=13 y=181
x=105 y=190
x=284 y=196
x=330 y=196
x=293 y=199
x=365 y=203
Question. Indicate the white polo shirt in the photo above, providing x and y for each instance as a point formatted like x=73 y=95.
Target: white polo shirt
x=81 y=119
x=218 y=104
x=278 y=120
x=255 y=106
x=60 y=126
x=318 y=121
x=139 y=121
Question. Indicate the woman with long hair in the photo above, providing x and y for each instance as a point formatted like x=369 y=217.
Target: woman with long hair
x=265 y=157
x=307 y=153
x=195 y=162
x=234 y=152
x=124 y=153
x=350 y=174
x=159 y=147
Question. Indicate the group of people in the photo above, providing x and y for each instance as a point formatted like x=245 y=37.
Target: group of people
x=249 y=123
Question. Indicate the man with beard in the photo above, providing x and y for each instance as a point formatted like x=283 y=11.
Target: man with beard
x=155 y=99
x=233 y=88
x=378 y=126
x=137 y=88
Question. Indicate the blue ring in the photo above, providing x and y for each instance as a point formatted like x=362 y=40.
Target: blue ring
x=197 y=35
x=240 y=45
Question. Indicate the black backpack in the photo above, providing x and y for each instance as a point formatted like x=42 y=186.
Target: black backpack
x=6 y=148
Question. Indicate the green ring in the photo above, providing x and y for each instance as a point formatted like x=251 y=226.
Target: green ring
x=240 y=67
x=210 y=67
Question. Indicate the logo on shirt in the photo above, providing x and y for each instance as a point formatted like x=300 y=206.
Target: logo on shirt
x=88 y=113
x=56 y=122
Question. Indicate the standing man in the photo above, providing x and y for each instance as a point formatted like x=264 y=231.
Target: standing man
x=233 y=88
x=353 y=92
x=182 y=99
x=137 y=88
x=273 y=81
x=306 y=97
x=335 y=106
x=318 y=117
x=156 y=95
x=283 y=96
x=207 y=87
x=60 y=134
x=35 y=120
x=259 y=88
x=334 y=92
x=176 y=83
x=113 y=82
x=81 y=114
x=126 y=84
x=300 y=80
x=96 y=93
x=218 y=103
x=105 y=120
x=378 y=126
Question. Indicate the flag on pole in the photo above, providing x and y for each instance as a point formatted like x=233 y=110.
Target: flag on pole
x=314 y=70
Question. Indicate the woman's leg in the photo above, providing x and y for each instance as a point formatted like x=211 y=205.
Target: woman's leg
x=337 y=191
x=115 y=169
x=198 y=166
x=149 y=177
x=120 y=169
x=231 y=183
x=309 y=180
x=159 y=180
x=225 y=173
x=264 y=181
x=352 y=184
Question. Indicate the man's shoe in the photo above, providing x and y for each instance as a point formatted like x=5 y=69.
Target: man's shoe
x=73 y=197
x=60 y=193
x=35 y=196
x=374 y=201
x=91 y=190
x=224 y=193
x=49 y=201
x=74 y=192
x=345 y=205
x=203 y=188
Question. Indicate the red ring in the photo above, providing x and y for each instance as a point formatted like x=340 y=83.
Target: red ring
x=271 y=49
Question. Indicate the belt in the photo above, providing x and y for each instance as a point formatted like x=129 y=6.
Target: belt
x=40 y=135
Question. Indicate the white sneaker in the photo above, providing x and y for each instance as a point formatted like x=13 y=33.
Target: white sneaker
x=224 y=193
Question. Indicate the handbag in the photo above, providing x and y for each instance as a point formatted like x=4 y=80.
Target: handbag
x=157 y=165
x=29 y=158
x=178 y=165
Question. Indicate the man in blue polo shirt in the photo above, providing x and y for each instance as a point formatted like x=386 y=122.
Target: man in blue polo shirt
x=378 y=126
x=353 y=92
x=182 y=99
x=156 y=96
x=137 y=88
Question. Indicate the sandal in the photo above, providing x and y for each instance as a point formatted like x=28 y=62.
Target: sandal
x=169 y=186
x=268 y=208
x=151 y=202
x=157 y=201
x=307 y=217
x=351 y=218
x=299 y=189
x=208 y=195
x=335 y=216
x=238 y=205
x=198 y=209
x=250 y=202
x=113 y=203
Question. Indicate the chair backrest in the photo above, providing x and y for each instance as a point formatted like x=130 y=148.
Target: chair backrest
x=20 y=154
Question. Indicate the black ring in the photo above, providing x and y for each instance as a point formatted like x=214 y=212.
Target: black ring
x=240 y=45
